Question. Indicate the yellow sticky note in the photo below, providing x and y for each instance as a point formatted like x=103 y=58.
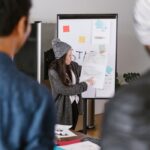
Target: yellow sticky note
x=81 y=39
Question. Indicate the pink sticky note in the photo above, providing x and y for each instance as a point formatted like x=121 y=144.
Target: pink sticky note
x=66 y=28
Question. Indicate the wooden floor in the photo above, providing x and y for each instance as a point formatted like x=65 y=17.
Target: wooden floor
x=96 y=132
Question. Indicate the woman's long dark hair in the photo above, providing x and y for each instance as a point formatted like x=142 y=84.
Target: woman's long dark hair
x=63 y=70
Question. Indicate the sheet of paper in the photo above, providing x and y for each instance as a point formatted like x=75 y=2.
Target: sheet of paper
x=62 y=131
x=94 y=65
x=63 y=127
x=86 y=145
x=109 y=84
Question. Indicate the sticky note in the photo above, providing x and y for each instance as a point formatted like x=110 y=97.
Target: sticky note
x=100 y=25
x=66 y=28
x=109 y=69
x=81 y=39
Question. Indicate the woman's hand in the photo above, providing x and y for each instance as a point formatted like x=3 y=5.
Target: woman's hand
x=90 y=81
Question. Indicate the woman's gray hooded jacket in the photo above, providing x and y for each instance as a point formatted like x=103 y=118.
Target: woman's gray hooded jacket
x=62 y=92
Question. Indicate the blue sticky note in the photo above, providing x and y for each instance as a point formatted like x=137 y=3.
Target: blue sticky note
x=100 y=25
x=58 y=148
x=109 y=69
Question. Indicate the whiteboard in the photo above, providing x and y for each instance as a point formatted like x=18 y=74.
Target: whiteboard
x=86 y=32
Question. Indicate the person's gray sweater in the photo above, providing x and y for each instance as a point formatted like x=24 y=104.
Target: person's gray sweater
x=62 y=92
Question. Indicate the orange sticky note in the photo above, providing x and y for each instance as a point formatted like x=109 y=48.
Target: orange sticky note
x=81 y=39
x=66 y=28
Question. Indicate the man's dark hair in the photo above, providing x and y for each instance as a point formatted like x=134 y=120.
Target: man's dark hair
x=10 y=13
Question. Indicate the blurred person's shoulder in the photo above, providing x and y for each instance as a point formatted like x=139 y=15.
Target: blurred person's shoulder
x=129 y=106
x=133 y=94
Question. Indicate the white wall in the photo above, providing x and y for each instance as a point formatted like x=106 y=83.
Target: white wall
x=131 y=55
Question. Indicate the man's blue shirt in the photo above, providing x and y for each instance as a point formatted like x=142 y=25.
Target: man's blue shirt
x=26 y=110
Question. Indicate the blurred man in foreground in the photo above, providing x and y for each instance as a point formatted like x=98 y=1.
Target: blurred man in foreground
x=26 y=108
x=127 y=116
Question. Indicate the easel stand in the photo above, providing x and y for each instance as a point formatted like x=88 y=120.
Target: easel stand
x=91 y=117
x=91 y=114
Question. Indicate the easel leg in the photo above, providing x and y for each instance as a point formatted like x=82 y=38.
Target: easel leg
x=84 y=116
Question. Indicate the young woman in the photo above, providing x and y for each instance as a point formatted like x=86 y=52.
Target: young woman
x=64 y=79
